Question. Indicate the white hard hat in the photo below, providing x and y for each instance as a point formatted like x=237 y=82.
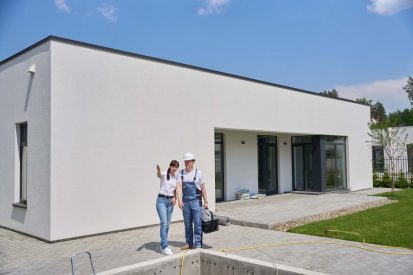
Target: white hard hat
x=189 y=156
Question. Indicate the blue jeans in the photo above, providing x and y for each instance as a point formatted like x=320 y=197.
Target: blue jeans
x=192 y=212
x=165 y=209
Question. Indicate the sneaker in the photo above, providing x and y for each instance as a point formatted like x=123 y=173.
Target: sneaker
x=186 y=247
x=167 y=251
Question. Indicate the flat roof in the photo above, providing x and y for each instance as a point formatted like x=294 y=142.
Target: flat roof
x=97 y=47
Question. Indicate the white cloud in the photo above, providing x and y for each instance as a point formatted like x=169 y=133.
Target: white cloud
x=62 y=6
x=212 y=6
x=389 y=7
x=389 y=92
x=108 y=11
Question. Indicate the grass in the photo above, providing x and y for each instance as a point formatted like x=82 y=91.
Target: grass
x=391 y=224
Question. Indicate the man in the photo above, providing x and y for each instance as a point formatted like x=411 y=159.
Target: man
x=190 y=191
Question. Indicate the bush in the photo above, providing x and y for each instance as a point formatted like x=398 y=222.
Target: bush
x=401 y=181
x=330 y=180
x=387 y=180
x=376 y=181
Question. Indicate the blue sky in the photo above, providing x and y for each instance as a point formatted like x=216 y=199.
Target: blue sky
x=359 y=47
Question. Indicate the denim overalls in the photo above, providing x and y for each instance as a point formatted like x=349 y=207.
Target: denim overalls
x=192 y=211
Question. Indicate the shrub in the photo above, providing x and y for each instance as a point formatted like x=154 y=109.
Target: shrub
x=401 y=181
x=387 y=180
x=376 y=180
x=330 y=179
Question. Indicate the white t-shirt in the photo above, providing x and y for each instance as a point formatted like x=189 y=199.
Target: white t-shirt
x=190 y=177
x=167 y=187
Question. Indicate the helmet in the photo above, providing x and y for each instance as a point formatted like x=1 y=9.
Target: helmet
x=189 y=156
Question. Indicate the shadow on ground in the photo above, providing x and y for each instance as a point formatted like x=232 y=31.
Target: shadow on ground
x=154 y=246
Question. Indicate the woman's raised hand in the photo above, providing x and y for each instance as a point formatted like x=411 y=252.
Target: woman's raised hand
x=158 y=171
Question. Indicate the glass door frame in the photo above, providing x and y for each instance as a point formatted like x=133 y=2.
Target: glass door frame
x=305 y=168
x=336 y=167
x=221 y=196
x=275 y=168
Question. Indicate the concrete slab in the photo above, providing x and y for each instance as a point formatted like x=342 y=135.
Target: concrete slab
x=372 y=191
x=279 y=209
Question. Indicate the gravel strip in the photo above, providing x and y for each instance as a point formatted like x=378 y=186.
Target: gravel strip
x=330 y=215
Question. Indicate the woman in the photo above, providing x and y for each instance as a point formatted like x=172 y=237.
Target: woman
x=166 y=201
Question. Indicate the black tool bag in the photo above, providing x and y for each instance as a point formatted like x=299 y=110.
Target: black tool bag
x=209 y=221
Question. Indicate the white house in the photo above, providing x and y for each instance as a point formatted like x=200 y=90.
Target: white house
x=404 y=162
x=82 y=128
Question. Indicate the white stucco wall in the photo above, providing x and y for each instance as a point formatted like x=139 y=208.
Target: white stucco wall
x=113 y=119
x=241 y=165
x=408 y=130
x=25 y=97
x=285 y=163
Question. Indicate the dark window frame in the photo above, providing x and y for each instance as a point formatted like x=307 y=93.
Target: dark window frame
x=222 y=143
x=22 y=139
x=268 y=141
x=378 y=162
x=297 y=141
x=334 y=141
x=318 y=143
x=409 y=154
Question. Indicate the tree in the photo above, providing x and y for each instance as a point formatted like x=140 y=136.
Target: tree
x=401 y=118
x=377 y=110
x=332 y=93
x=393 y=141
x=395 y=118
x=409 y=89
x=364 y=101
x=378 y=113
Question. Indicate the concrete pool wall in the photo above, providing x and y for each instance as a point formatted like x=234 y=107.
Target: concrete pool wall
x=207 y=262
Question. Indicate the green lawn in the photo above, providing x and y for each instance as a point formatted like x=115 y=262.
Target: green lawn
x=391 y=224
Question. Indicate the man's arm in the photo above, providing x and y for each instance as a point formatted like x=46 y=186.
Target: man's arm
x=179 y=193
x=204 y=195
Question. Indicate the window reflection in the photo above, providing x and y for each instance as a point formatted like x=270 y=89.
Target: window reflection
x=335 y=155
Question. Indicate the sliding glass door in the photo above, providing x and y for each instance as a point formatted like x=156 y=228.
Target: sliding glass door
x=319 y=163
x=267 y=165
x=335 y=166
x=303 y=167
x=219 y=167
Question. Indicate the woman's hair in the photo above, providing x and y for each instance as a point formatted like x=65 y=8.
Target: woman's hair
x=173 y=163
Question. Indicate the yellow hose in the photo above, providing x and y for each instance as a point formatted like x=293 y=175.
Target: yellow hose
x=182 y=261
x=327 y=242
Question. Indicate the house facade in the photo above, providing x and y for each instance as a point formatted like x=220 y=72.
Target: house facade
x=82 y=128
